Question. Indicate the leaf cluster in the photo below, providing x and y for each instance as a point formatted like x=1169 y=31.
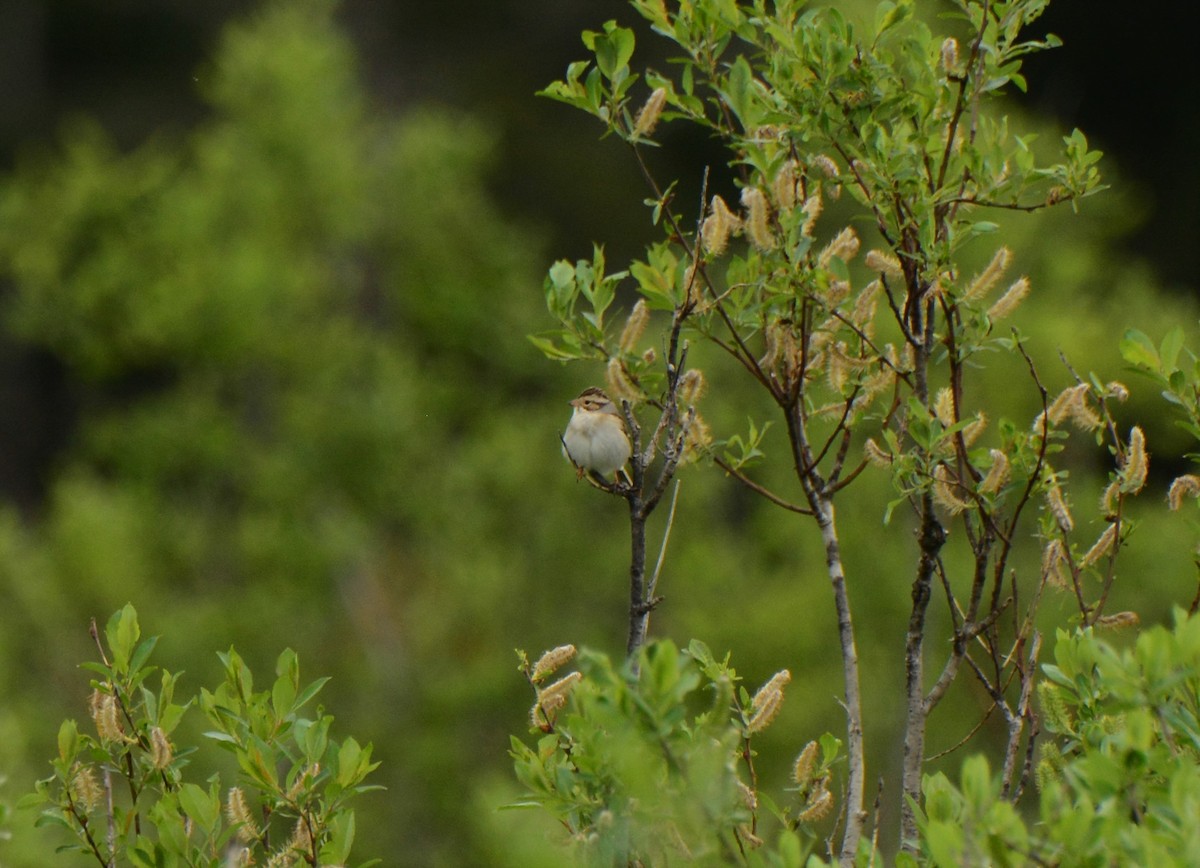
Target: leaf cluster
x=124 y=794
x=652 y=761
x=1119 y=776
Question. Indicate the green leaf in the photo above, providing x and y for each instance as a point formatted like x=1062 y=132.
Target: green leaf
x=888 y=14
x=738 y=91
x=122 y=633
x=831 y=745
x=603 y=295
x=551 y=350
x=613 y=47
x=1168 y=352
x=562 y=274
x=142 y=653
x=1137 y=349
x=976 y=783
x=201 y=807
x=791 y=851
x=283 y=694
x=68 y=741
x=306 y=694
x=337 y=850
x=348 y=756
x=700 y=652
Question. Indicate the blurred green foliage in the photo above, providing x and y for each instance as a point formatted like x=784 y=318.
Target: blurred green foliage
x=125 y=795
x=1118 y=779
x=653 y=763
x=306 y=415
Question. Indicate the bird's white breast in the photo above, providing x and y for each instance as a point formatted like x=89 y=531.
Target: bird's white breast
x=596 y=441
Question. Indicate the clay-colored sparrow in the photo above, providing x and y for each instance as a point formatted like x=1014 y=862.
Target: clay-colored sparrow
x=595 y=438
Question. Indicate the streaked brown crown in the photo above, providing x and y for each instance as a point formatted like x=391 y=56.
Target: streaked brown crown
x=594 y=400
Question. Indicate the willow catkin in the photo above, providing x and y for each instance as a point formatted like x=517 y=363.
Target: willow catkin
x=651 y=111
x=758 y=215
x=1008 y=302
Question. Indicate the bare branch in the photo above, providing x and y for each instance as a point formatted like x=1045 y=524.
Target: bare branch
x=759 y=489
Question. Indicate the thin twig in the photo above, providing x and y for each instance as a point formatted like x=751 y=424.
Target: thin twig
x=650 y=587
x=759 y=489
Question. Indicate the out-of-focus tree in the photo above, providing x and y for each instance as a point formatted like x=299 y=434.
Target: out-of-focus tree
x=889 y=128
x=295 y=339
x=305 y=414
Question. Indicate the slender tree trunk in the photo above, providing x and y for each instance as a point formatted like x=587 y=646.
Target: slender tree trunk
x=639 y=609
x=855 y=786
x=932 y=538
x=823 y=513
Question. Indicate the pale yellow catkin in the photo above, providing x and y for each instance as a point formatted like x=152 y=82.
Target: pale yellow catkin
x=1072 y=404
x=1008 y=302
x=717 y=227
x=620 y=387
x=560 y=688
x=106 y=716
x=838 y=369
x=1054 y=561
x=774 y=684
x=986 y=280
x=749 y=797
x=1137 y=463
x=1060 y=407
x=161 y=753
x=1058 y=508
x=1054 y=706
x=1187 y=485
x=818 y=808
x=943 y=407
x=301 y=840
x=875 y=454
x=872 y=387
x=692 y=386
x=765 y=712
x=784 y=186
x=944 y=494
x=651 y=111
x=837 y=292
x=1108 y=499
x=551 y=661
x=864 y=306
x=950 y=56
x=757 y=223
x=972 y=431
x=883 y=263
x=826 y=164
x=238 y=814
x=767 y=701
x=84 y=787
x=772 y=345
x=697 y=437
x=805 y=765
x=997 y=475
x=635 y=326
x=1101 y=547
x=844 y=246
x=812 y=208
x=1119 y=620
x=542 y=713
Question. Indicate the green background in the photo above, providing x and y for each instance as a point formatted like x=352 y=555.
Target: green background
x=266 y=287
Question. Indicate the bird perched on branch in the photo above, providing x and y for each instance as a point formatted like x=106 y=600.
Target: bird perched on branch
x=595 y=438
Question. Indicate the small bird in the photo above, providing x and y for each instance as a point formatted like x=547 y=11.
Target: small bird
x=595 y=438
